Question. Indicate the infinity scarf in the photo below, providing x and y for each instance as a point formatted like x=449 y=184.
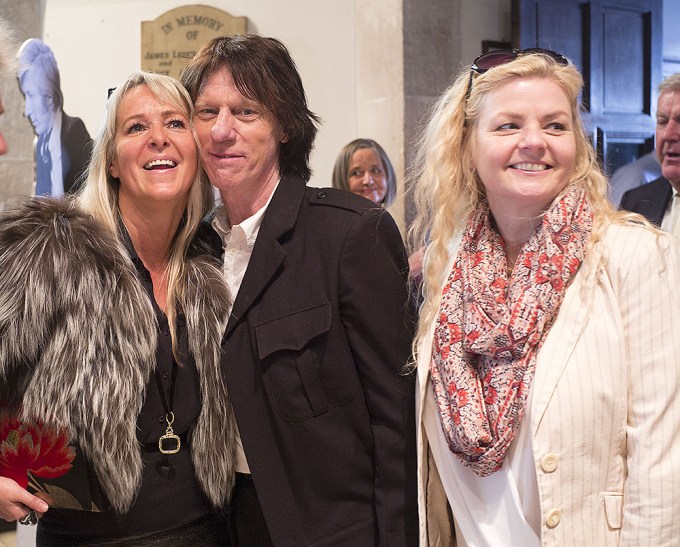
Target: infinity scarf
x=490 y=327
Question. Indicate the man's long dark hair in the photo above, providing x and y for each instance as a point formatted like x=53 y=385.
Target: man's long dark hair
x=264 y=71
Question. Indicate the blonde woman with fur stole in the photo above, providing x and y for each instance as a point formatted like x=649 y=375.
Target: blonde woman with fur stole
x=547 y=350
x=113 y=309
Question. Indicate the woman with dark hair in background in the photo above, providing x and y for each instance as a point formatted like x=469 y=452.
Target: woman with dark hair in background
x=363 y=168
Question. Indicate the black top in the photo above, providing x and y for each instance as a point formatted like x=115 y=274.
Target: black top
x=169 y=495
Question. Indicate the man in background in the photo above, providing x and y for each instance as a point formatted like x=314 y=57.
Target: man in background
x=64 y=146
x=321 y=326
x=658 y=200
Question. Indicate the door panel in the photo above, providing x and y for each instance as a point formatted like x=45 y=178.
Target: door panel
x=617 y=45
x=552 y=18
x=624 y=67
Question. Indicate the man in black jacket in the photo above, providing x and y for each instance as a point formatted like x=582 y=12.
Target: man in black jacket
x=321 y=327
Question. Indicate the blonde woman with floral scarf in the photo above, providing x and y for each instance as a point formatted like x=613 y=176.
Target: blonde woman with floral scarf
x=547 y=356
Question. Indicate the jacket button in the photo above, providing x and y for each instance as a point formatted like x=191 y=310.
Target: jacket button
x=321 y=194
x=161 y=419
x=549 y=463
x=554 y=518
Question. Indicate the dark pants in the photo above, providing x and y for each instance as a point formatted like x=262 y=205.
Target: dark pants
x=247 y=527
x=206 y=532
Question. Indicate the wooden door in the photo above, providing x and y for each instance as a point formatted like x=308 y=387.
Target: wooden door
x=617 y=44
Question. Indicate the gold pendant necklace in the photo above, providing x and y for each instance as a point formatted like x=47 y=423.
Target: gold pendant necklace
x=169 y=443
x=173 y=441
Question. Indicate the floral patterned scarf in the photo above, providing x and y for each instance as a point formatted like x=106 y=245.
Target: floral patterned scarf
x=491 y=327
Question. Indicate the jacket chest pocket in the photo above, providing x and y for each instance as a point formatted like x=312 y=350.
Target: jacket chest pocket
x=293 y=349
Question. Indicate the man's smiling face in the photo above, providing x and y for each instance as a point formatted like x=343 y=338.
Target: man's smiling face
x=668 y=135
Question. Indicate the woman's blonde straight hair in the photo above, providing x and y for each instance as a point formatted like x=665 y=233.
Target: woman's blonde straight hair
x=99 y=195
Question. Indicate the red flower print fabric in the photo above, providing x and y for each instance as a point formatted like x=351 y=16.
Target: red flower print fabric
x=28 y=448
x=490 y=327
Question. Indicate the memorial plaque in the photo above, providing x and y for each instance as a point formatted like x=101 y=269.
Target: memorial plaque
x=170 y=40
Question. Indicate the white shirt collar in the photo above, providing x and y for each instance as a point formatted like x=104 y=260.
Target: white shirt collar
x=250 y=226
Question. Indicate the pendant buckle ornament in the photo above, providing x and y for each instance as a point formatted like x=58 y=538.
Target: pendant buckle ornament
x=173 y=440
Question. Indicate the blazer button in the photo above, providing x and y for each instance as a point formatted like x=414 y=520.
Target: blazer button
x=321 y=194
x=549 y=463
x=554 y=518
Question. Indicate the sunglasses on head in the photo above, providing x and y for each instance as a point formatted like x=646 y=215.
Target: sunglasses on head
x=499 y=57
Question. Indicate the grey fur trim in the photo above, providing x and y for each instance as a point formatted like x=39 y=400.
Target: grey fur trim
x=80 y=332
x=78 y=338
x=213 y=439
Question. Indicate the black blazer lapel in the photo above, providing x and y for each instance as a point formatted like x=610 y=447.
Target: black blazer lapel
x=268 y=254
x=649 y=200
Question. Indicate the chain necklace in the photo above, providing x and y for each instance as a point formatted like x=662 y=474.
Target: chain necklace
x=169 y=443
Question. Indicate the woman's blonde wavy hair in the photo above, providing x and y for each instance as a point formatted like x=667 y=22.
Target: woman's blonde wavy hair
x=445 y=186
x=99 y=195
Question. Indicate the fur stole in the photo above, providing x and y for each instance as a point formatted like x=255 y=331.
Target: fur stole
x=78 y=338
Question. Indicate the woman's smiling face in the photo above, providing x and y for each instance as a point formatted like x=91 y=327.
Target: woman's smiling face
x=367 y=176
x=156 y=156
x=524 y=147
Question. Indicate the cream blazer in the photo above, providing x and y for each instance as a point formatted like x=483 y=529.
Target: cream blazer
x=605 y=406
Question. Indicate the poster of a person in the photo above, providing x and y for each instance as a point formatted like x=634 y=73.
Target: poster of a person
x=63 y=144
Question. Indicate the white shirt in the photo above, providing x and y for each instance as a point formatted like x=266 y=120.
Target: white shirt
x=238 y=242
x=671 y=217
x=501 y=509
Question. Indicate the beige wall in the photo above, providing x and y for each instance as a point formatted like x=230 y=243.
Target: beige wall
x=350 y=54
x=97 y=44
x=17 y=166
x=378 y=94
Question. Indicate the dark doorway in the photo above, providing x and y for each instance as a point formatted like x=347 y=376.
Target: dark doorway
x=618 y=47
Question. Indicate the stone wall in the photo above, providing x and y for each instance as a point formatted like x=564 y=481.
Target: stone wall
x=17 y=167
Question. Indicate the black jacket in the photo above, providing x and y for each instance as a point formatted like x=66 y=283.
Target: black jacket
x=76 y=149
x=313 y=354
x=650 y=200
